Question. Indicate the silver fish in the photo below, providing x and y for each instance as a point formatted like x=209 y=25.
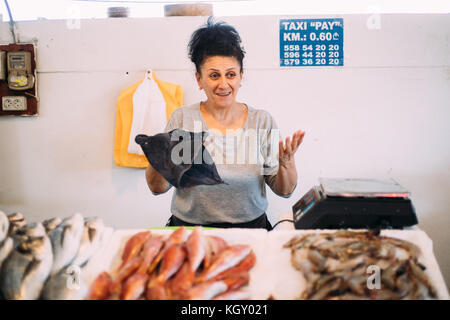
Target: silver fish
x=51 y=224
x=67 y=284
x=66 y=240
x=4 y=226
x=25 y=270
x=35 y=229
x=5 y=249
x=16 y=221
x=92 y=237
x=6 y=243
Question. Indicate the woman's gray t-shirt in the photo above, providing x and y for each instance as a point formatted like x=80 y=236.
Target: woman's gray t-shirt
x=246 y=160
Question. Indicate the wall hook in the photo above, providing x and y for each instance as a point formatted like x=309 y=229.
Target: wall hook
x=148 y=73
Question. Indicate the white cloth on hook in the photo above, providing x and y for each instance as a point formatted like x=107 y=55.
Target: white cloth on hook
x=149 y=112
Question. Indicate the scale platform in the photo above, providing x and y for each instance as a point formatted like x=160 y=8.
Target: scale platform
x=355 y=204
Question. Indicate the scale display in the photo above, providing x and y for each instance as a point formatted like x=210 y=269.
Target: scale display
x=355 y=204
x=311 y=42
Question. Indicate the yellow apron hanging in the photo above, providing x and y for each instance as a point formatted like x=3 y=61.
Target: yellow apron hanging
x=173 y=96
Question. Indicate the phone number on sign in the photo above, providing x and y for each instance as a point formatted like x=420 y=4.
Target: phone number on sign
x=297 y=62
x=310 y=47
x=318 y=54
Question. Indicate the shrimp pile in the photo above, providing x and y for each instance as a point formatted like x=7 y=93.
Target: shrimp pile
x=351 y=265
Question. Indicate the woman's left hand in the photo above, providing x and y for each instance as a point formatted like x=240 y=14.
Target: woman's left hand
x=286 y=152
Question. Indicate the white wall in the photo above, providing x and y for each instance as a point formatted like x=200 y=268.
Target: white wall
x=384 y=114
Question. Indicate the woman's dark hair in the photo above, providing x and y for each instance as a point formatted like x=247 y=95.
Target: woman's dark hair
x=215 y=39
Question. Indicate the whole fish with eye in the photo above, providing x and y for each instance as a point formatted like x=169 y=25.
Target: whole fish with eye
x=16 y=221
x=25 y=270
x=19 y=235
x=66 y=240
x=34 y=229
x=51 y=224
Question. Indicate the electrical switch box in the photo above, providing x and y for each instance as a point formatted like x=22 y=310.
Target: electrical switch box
x=18 y=81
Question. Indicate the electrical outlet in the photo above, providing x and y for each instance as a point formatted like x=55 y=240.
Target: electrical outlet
x=14 y=103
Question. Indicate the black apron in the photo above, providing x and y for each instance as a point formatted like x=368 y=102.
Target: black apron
x=261 y=222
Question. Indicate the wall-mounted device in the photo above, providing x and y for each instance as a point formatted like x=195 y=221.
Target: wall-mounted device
x=18 y=80
x=19 y=70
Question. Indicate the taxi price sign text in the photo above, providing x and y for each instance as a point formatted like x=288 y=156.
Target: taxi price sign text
x=311 y=42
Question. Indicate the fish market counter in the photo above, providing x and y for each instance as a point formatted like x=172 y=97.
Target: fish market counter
x=280 y=272
x=81 y=258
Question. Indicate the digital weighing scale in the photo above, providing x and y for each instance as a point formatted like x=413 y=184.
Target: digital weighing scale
x=355 y=204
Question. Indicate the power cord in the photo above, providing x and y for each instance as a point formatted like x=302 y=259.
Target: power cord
x=284 y=220
x=11 y=22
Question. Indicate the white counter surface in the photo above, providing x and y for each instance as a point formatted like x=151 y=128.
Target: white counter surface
x=273 y=275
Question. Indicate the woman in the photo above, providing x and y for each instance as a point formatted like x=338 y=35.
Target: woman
x=240 y=141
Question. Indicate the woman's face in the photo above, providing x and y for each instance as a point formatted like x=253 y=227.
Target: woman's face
x=221 y=78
